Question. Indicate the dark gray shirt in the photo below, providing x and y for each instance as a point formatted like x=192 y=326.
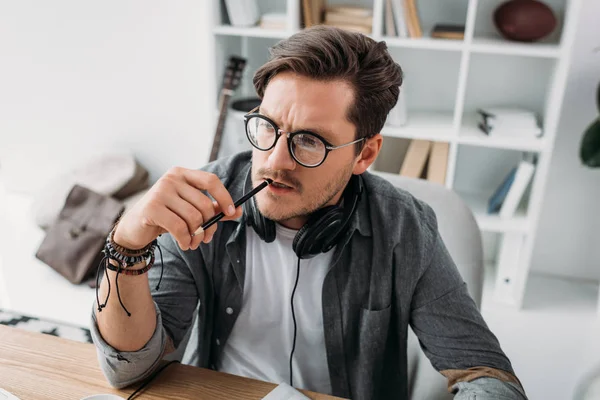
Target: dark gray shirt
x=390 y=270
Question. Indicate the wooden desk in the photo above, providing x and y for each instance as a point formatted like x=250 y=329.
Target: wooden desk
x=37 y=366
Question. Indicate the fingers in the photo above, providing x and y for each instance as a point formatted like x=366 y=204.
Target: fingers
x=210 y=182
x=181 y=194
x=203 y=204
x=238 y=212
x=176 y=226
x=193 y=218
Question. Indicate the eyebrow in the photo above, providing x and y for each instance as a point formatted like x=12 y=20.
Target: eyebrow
x=321 y=131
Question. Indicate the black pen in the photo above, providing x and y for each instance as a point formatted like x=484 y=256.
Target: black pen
x=238 y=203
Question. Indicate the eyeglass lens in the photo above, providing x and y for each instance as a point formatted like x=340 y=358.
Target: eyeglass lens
x=306 y=148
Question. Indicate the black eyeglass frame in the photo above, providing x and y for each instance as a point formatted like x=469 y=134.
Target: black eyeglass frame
x=290 y=135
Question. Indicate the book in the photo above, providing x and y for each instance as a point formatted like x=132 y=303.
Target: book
x=340 y=18
x=448 y=31
x=307 y=13
x=356 y=11
x=273 y=21
x=416 y=158
x=412 y=19
x=390 y=27
x=317 y=9
x=367 y=30
x=400 y=17
x=496 y=200
x=508 y=261
x=438 y=162
x=378 y=23
x=517 y=189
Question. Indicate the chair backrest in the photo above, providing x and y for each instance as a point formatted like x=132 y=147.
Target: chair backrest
x=456 y=224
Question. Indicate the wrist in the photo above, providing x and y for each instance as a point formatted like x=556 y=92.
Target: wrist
x=121 y=240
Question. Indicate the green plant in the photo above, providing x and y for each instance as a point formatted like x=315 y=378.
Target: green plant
x=590 y=144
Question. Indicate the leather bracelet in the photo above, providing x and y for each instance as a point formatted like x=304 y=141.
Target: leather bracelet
x=133 y=272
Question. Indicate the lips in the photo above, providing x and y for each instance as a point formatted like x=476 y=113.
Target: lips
x=281 y=185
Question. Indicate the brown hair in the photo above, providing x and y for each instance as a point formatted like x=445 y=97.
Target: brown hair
x=328 y=53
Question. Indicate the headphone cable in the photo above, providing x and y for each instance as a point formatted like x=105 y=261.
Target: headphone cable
x=294 y=319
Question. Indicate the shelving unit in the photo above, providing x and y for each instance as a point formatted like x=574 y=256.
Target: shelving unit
x=446 y=81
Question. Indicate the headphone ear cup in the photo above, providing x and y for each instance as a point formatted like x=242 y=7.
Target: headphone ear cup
x=264 y=227
x=319 y=232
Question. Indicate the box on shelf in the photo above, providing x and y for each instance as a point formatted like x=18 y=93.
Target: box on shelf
x=505 y=121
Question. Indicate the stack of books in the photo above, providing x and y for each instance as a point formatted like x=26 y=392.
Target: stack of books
x=277 y=21
x=508 y=122
x=402 y=19
x=511 y=191
x=354 y=18
x=427 y=160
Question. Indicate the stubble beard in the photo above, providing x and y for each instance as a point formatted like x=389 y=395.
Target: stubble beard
x=310 y=202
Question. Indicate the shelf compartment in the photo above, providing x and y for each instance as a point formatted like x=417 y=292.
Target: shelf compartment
x=470 y=134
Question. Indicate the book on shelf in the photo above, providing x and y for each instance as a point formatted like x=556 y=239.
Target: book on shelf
x=497 y=198
x=517 y=189
x=390 y=27
x=341 y=18
x=312 y=12
x=448 y=31
x=415 y=160
x=509 y=194
x=276 y=21
x=401 y=19
x=438 y=162
x=412 y=19
x=352 y=18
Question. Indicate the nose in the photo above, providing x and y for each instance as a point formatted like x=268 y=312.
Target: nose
x=280 y=157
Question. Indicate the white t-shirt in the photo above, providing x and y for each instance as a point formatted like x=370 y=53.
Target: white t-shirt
x=260 y=343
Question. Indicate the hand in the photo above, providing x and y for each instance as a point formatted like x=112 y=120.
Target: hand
x=175 y=204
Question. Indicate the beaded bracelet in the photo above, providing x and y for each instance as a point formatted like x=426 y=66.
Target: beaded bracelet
x=128 y=260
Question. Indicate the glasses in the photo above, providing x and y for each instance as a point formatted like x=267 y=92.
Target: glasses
x=307 y=148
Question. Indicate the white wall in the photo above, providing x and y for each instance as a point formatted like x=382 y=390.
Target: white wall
x=568 y=240
x=81 y=77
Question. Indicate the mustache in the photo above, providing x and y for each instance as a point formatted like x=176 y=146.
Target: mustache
x=281 y=176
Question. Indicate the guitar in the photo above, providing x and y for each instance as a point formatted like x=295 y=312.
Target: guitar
x=231 y=80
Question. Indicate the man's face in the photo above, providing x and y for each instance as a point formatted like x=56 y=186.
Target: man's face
x=295 y=103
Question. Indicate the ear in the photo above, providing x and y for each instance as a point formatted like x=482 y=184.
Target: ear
x=368 y=154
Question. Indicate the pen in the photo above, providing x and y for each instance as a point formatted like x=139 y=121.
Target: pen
x=238 y=203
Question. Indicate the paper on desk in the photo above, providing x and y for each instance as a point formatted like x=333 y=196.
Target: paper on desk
x=5 y=395
x=285 y=392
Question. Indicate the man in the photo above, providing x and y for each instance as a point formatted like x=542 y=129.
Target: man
x=317 y=278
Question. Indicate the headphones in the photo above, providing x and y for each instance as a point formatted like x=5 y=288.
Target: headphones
x=323 y=229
